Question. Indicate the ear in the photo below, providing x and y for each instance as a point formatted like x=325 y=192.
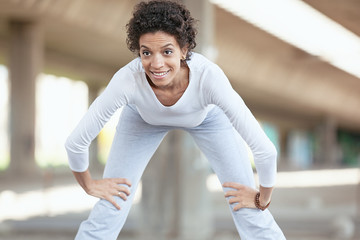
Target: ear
x=184 y=52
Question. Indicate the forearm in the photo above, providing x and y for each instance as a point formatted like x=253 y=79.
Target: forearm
x=84 y=179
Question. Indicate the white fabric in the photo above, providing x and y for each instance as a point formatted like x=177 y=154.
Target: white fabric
x=135 y=142
x=208 y=86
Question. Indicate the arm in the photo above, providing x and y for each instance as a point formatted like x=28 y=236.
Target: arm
x=220 y=93
x=117 y=94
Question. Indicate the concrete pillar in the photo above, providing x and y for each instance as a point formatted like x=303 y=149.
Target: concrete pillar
x=95 y=164
x=175 y=202
x=25 y=63
x=284 y=155
x=196 y=211
x=327 y=152
x=203 y=11
x=160 y=203
x=197 y=216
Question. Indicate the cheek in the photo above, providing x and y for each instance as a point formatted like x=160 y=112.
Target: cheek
x=145 y=64
x=176 y=63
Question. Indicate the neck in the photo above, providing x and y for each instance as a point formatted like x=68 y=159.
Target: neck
x=180 y=82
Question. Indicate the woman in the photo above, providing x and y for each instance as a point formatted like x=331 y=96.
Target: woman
x=168 y=87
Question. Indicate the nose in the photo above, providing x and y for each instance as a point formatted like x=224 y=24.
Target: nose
x=157 y=61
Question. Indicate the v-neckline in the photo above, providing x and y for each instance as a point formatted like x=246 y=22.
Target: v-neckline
x=157 y=99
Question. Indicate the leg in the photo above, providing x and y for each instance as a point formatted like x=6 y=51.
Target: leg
x=228 y=156
x=134 y=143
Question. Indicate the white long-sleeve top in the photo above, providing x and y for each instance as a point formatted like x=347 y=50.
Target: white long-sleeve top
x=208 y=86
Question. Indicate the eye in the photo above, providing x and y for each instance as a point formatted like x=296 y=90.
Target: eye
x=146 y=53
x=168 y=52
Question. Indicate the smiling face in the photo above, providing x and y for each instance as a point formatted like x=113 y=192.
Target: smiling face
x=161 y=58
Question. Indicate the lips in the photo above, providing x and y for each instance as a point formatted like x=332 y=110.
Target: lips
x=160 y=74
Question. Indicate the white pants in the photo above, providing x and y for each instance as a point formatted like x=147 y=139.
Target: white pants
x=134 y=144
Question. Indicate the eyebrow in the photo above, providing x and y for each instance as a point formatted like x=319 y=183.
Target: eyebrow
x=165 y=46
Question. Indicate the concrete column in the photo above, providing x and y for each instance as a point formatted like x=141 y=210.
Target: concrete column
x=25 y=63
x=175 y=202
x=327 y=153
x=95 y=164
x=197 y=217
x=284 y=155
x=160 y=203
x=196 y=211
x=203 y=11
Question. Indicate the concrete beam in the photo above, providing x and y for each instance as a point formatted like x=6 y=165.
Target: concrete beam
x=254 y=59
x=78 y=69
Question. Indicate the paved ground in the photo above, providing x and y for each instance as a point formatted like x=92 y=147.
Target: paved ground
x=304 y=213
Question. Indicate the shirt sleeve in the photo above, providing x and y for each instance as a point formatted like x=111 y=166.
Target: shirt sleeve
x=219 y=91
x=117 y=94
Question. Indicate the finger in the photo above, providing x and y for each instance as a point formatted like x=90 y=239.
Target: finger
x=119 y=192
x=231 y=193
x=237 y=207
x=123 y=181
x=122 y=195
x=232 y=185
x=112 y=201
x=123 y=189
x=234 y=200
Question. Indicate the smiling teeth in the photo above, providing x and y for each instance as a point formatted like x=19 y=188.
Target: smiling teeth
x=160 y=74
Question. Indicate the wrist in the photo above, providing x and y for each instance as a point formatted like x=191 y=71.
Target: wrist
x=262 y=205
x=85 y=180
x=264 y=201
x=265 y=195
x=87 y=185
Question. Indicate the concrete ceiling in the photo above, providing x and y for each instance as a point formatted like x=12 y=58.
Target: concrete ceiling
x=281 y=82
x=345 y=12
x=85 y=40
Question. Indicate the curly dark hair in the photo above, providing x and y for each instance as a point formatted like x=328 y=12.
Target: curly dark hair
x=162 y=15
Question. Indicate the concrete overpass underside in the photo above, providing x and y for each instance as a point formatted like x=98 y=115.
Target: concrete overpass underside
x=280 y=83
x=85 y=40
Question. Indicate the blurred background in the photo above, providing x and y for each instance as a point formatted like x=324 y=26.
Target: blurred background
x=295 y=63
